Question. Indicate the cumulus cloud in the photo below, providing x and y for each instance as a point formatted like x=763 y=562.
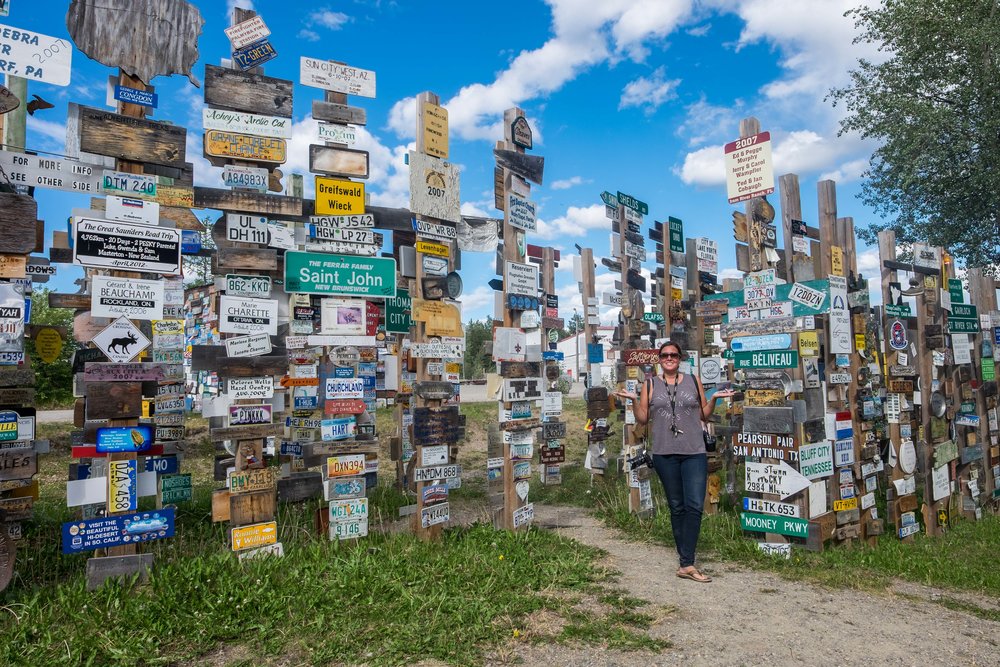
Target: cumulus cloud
x=650 y=93
x=567 y=183
x=327 y=18
x=580 y=40
x=309 y=35
x=847 y=172
x=705 y=122
x=704 y=167
x=575 y=223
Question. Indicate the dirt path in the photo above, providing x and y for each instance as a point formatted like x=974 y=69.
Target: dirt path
x=754 y=618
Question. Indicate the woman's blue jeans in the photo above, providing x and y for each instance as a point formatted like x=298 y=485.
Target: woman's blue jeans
x=684 y=478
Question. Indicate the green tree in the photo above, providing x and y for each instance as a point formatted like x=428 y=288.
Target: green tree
x=934 y=107
x=53 y=381
x=574 y=324
x=477 y=333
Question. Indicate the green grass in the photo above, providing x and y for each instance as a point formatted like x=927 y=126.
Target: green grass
x=389 y=599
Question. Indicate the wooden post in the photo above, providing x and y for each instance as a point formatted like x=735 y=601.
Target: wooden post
x=983 y=296
x=596 y=452
x=549 y=473
x=14 y=123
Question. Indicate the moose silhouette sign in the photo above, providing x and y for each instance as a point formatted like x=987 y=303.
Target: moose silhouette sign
x=121 y=341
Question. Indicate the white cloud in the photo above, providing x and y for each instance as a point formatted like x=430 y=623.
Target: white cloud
x=478 y=298
x=869 y=263
x=567 y=183
x=700 y=30
x=309 y=35
x=730 y=273
x=328 y=18
x=581 y=40
x=472 y=209
x=707 y=122
x=576 y=222
x=648 y=94
x=49 y=130
x=847 y=172
x=703 y=167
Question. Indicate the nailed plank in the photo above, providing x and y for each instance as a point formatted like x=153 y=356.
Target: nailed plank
x=99 y=570
x=16 y=377
x=247 y=508
x=243 y=200
x=246 y=432
x=213 y=358
x=300 y=487
x=183 y=218
x=338 y=113
x=21 y=397
x=17 y=223
x=144 y=38
x=247 y=91
x=259 y=259
x=77 y=301
x=127 y=138
x=336 y=161
x=114 y=400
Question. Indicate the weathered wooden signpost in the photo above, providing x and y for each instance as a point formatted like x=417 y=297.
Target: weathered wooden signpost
x=551 y=452
x=437 y=426
x=518 y=344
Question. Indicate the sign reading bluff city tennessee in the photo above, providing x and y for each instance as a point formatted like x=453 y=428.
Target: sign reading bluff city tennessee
x=315 y=273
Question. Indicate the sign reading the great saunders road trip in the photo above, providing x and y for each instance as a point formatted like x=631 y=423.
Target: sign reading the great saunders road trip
x=117 y=245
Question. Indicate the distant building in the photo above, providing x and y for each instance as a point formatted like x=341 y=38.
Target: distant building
x=574 y=349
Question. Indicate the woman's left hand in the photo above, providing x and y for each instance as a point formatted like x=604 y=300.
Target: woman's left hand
x=724 y=393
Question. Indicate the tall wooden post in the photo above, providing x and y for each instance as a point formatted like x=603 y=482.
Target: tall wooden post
x=551 y=452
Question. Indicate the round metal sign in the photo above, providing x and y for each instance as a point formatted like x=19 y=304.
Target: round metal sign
x=938 y=404
x=907 y=457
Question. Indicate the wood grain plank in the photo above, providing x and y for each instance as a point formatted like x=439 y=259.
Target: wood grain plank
x=243 y=200
x=339 y=113
x=134 y=139
x=247 y=91
x=17 y=223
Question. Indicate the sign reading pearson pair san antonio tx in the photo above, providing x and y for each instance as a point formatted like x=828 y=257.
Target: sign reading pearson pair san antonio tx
x=316 y=273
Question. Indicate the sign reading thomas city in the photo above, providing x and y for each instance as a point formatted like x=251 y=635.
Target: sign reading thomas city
x=316 y=273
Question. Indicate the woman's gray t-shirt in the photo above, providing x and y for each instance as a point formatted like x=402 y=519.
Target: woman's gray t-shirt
x=687 y=408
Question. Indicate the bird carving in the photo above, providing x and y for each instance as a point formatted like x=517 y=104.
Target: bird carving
x=36 y=104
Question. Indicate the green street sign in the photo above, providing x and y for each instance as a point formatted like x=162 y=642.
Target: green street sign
x=609 y=199
x=349 y=275
x=175 y=489
x=961 y=311
x=628 y=201
x=652 y=317
x=397 y=312
x=768 y=359
x=902 y=310
x=963 y=326
x=955 y=290
x=676 y=229
x=782 y=525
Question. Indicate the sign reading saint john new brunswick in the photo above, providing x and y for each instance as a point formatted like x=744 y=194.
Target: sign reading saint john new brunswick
x=315 y=273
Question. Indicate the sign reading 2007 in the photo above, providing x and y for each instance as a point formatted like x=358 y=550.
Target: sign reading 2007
x=321 y=273
x=118 y=245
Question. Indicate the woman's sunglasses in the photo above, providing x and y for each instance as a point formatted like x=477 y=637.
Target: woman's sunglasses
x=670 y=355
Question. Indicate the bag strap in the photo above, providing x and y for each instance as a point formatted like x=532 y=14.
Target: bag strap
x=701 y=399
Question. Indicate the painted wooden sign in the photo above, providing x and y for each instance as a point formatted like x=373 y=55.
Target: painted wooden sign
x=521 y=132
x=245 y=147
x=129 y=138
x=435 y=124
x=768 y=420
x=339 y=197
x=648 y=357
x=133 y=298
x=247 y=123
x=434 y=187
x=34 y=56
x=335 y=161
x=50 y=173
x=18 y=463
x=342 y=114
x=780 y=479
x=336 y=77
x=97 y=371
x=118 y=245
x=252 y=345
x=254 y=535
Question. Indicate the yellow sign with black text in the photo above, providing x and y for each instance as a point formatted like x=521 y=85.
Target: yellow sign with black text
x=429 y=248
x=335 y=196
x=808 y=344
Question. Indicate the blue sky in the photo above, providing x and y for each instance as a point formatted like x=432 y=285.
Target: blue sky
x=630 y=95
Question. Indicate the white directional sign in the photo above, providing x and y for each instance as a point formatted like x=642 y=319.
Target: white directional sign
x=121 y=341
x=780 y=479
x=34 y=56
x=337 y=77
x=41 y=171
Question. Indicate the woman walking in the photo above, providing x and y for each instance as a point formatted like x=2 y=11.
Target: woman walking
x=676 y=405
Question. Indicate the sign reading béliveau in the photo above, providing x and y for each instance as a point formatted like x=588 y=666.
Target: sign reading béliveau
x=117 y=245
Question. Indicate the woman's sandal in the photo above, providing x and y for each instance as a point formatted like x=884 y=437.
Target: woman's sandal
x=694 y=575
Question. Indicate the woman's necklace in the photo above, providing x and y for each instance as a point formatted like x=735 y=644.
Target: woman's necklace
x=672 y=395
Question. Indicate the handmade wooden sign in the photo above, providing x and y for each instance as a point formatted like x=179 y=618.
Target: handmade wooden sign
x=8 y=102
x=237 y=146
x=247 y=123
x=335 y=161
x=338 y=113
x=129 y=138
x=36 y=57
x=648 y=357
x=777 y=420
x=336 y=77
x=144 y=38
x=17 y=225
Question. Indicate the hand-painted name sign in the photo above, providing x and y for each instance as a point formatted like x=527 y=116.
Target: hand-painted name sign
x=223 y=144
x=44 y=172
x=117 y=245
x=336 y=77
x=35 y=56
x=247 y=123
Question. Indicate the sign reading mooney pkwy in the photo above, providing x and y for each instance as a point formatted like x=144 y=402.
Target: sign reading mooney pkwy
x=320 y=273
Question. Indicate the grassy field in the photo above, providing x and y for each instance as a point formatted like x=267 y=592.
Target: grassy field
x=391 y=599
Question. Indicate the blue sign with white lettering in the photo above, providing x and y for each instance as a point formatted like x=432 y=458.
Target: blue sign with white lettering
x=134 y=96
x=113 y=531
x=291 y=448
x=190 y=242
x=548 y=355
x=162 y=465
x=595 y=353
x=343 y=372
x=124 y=439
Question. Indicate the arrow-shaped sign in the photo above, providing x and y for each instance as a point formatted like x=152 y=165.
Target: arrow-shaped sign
x=530 y=167
x=781 y=479
x=496 y=284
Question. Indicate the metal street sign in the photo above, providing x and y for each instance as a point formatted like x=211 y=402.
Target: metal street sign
x=315 y=273
x=749 y=172
x=774 y=524
x=771 y=507
x=778 y=479
x=117 y=245
x=767 y=359
x=54 y=174
x=631 y=202
x=757 y=343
